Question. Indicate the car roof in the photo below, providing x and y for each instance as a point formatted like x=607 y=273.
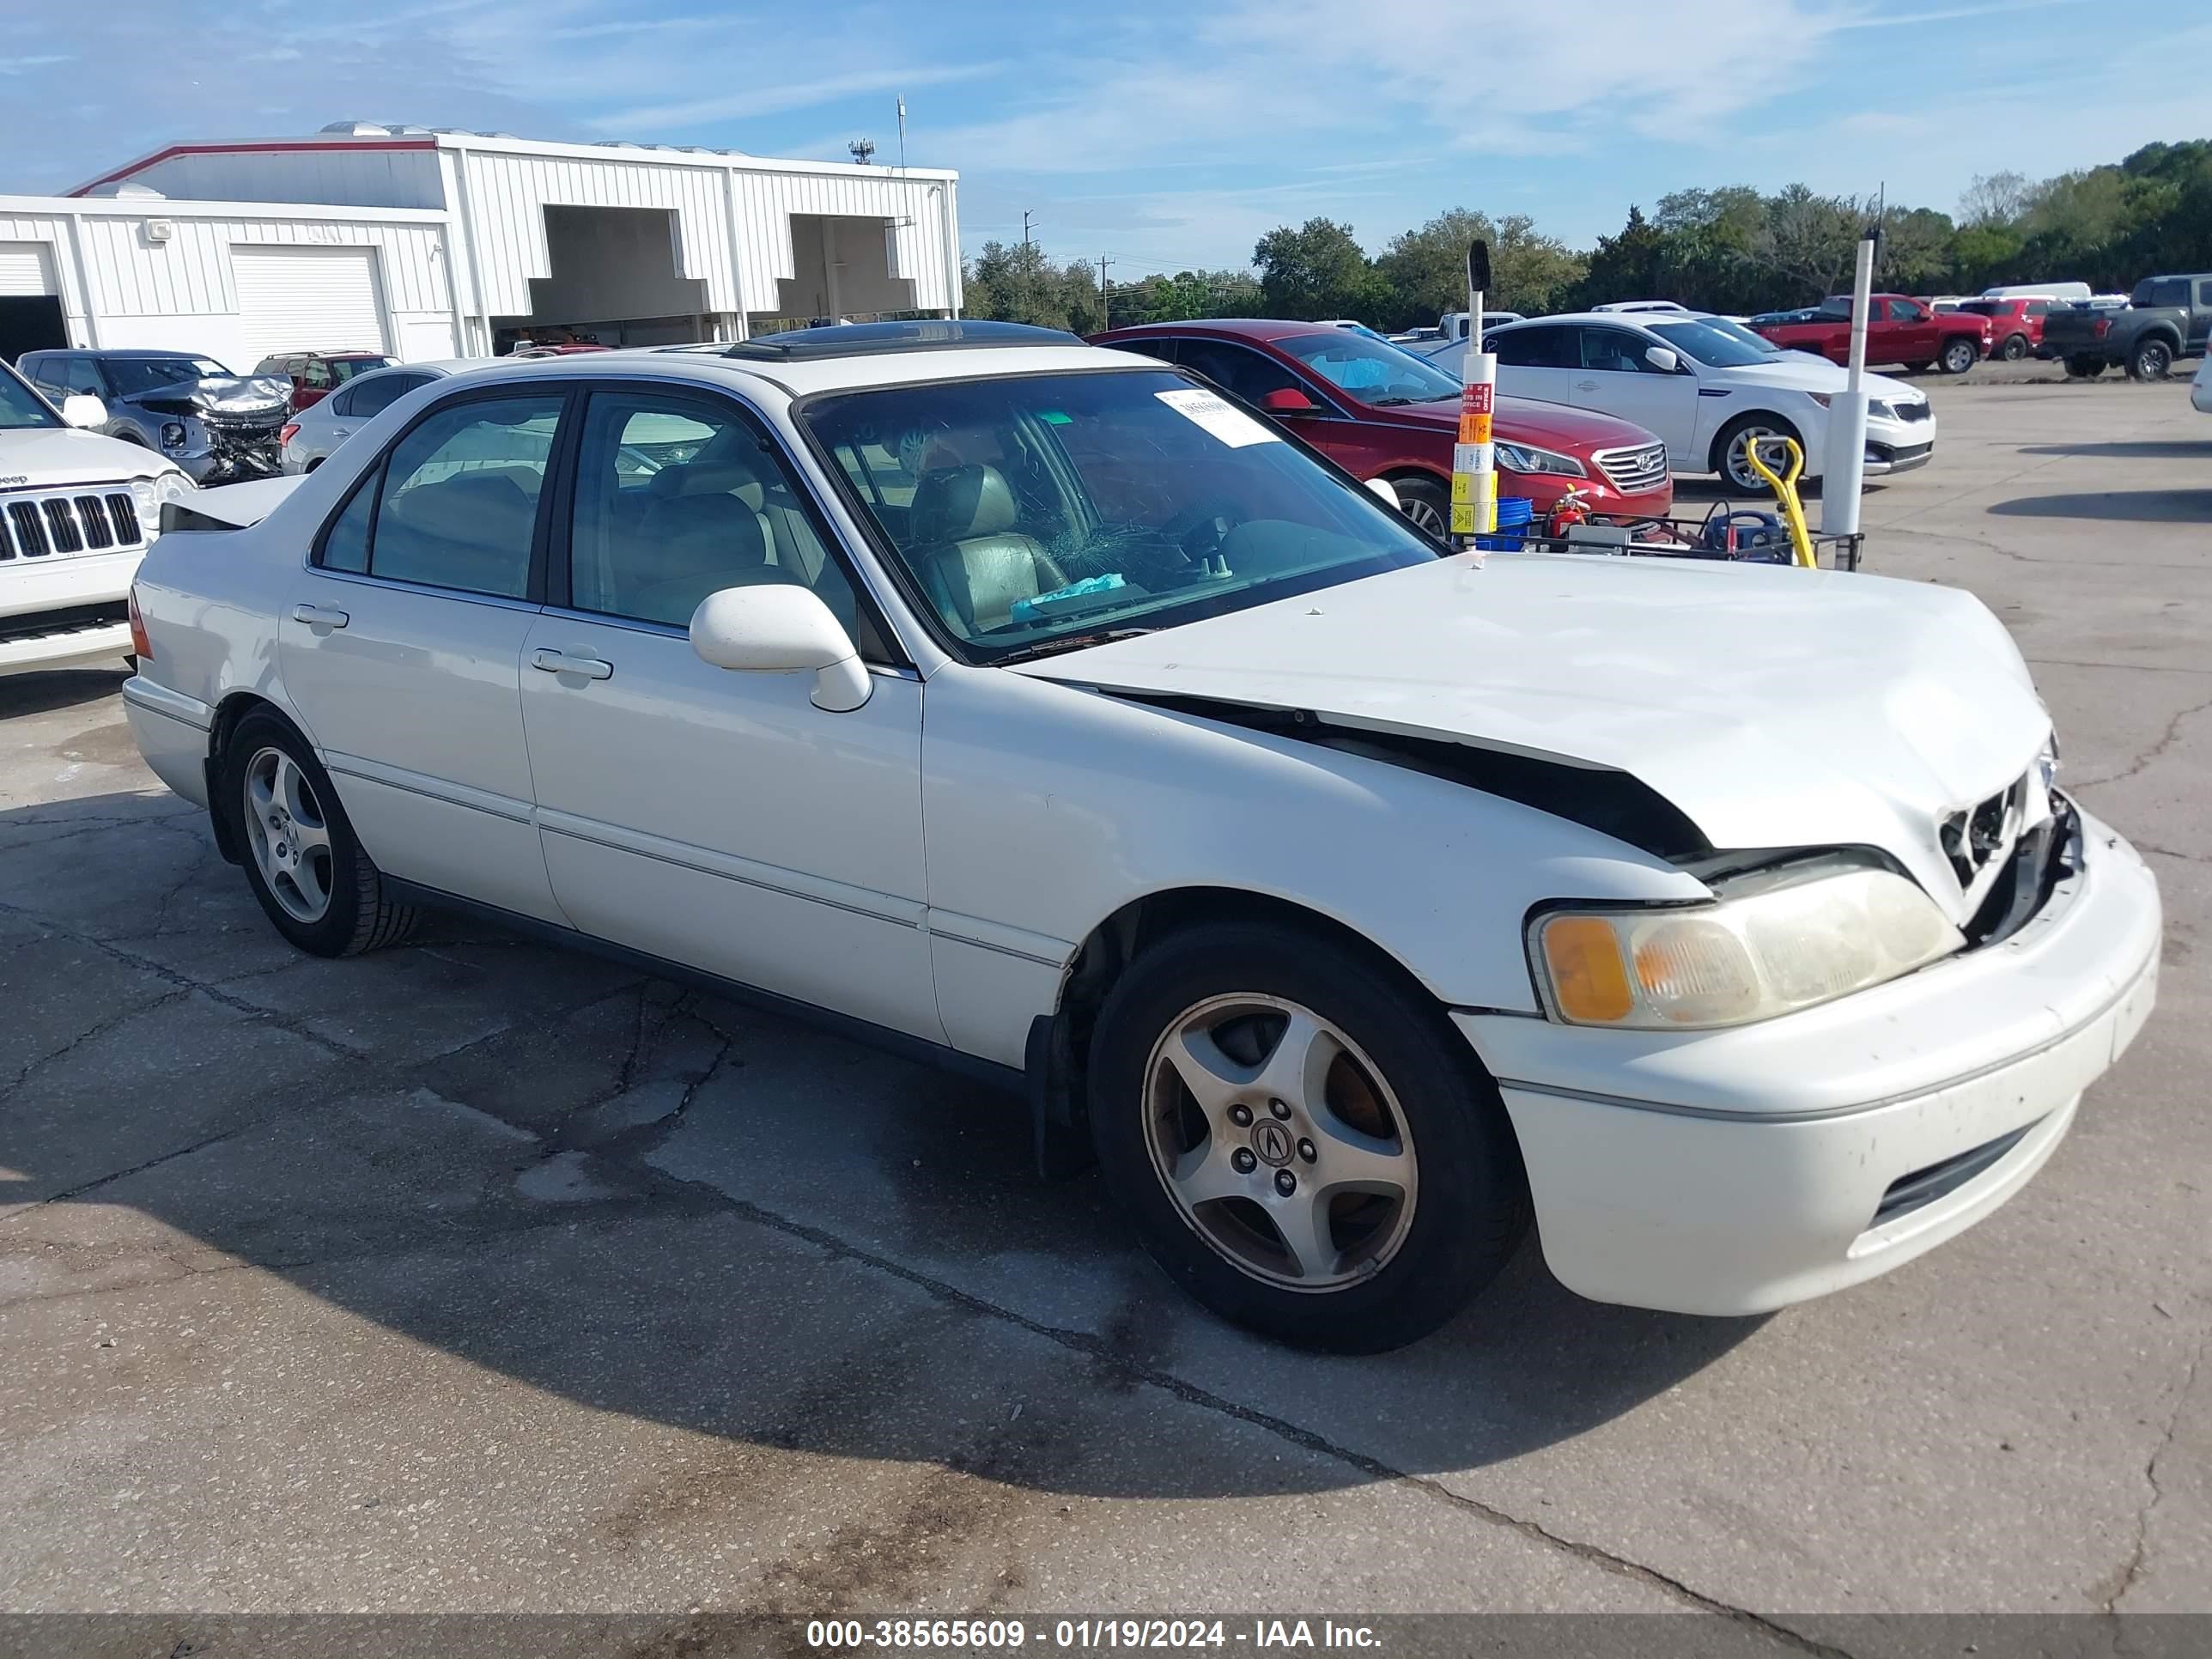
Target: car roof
x=802 y=376
x=1245 y=328
x=139 y=353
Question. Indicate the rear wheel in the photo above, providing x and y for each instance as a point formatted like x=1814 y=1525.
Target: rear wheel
x=1958 y=356
x=2084 y=368
x=313 y=880
x=2149 y=360
x=2015 y=348
x=1426 y=502
x=1301 y=1142
x=1921 y=368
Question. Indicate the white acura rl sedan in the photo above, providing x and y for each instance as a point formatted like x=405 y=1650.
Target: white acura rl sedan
x=1035 y=708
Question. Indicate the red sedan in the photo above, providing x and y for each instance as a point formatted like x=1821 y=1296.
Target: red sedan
x=1379 y=412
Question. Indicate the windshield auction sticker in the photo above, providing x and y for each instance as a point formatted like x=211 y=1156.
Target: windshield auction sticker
x=1225 y=420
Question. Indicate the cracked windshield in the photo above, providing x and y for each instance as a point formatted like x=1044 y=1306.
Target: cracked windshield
x=1034 y=513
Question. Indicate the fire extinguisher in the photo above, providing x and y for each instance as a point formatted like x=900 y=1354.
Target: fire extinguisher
x=1570 y=509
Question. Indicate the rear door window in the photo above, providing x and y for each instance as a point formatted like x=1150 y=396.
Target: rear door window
x=457 y=502
x=1537 y=348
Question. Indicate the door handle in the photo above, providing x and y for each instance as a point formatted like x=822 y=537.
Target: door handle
x=559 y=662
x=1585 y=385
x=316 y=616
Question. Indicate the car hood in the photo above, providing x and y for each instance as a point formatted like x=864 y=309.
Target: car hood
x=1801 y=371
x=222 y=394
x=1527 y=420
x=1774 y=707
x=45 y=458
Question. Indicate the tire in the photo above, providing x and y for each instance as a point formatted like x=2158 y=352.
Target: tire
x=311 y=466
x=306 y=867
x=1921 y=368
x=1727 y=456
x=1399 y=1101
x=2015 y=348
x=1957 y=355
x=2084 y=368
x=1426 y=502
x=2149 y=360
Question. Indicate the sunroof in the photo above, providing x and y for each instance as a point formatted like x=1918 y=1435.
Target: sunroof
x=922 y=334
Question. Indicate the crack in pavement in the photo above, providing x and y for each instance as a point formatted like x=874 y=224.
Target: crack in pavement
x=1104 y=1352
x=2165 y=741
x=2131 y=1571
x=118 y=1016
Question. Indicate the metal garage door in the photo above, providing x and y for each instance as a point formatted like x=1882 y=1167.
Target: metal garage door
x=309 y=299
x=25 y=268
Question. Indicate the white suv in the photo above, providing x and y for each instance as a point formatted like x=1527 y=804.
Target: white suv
x=1708 y=386
x=77 y=513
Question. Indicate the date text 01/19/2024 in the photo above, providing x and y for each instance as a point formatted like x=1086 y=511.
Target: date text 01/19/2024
x=1079 y=1635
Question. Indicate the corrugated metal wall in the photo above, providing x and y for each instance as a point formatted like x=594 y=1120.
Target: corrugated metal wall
x=181 y=294
x=506 y=194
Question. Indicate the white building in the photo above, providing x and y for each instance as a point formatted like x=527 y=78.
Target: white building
x=444 y=244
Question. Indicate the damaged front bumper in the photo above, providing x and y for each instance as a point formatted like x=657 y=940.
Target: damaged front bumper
x=222 y=431
x=1735 y=1171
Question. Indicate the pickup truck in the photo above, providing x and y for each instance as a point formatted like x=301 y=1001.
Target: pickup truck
x=2165 y=317
x=1899 y=330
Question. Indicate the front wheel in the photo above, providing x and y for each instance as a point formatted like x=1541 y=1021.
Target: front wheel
x=2150 y=360
x=1958 y=356
x=1732 y=449
x=1302 y=1143
x=311 y=875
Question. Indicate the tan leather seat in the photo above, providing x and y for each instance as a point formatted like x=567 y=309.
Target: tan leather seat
x=688 y=547
x=971 y=560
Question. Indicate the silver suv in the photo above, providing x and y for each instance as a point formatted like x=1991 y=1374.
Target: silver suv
x=190 y=409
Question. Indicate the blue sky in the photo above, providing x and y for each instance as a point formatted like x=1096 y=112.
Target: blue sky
x=1162 y=134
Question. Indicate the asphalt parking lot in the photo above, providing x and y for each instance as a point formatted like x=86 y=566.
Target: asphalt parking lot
x=476 y=1276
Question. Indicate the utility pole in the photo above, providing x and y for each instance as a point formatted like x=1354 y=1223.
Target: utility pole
x=902 y=125
x=1105 y=299
x=1025 y=226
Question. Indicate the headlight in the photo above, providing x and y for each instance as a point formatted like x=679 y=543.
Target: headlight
x=1527 y=457
x=1786 y=945
x=1821 y=399
x=150 y=493
x=1879 y=410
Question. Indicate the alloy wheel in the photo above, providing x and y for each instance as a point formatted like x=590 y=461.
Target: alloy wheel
x=1280 y=1144
x=287 y=834
x=1425 y=514
x=1739 y=456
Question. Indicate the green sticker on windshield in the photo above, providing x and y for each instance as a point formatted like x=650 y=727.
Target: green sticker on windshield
x=1055 y=417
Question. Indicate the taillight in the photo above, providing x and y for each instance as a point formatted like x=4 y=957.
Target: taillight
x=141 y=647
x=291 y=431
x=2104 y=327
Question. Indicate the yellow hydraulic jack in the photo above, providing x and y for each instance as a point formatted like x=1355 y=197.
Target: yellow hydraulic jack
x=1785 y=487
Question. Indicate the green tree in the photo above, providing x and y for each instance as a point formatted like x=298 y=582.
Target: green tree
x=1629 y=266
x=1423 y=271
x=1318 y=270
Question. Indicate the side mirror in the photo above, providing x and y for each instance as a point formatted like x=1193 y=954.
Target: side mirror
x=1663 y=358
x=1387 y=493
x=781 y=629
x=81 y=408
x=1287 y=400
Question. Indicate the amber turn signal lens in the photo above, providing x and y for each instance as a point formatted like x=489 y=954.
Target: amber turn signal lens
x=1588 y=976
x=141 y=647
